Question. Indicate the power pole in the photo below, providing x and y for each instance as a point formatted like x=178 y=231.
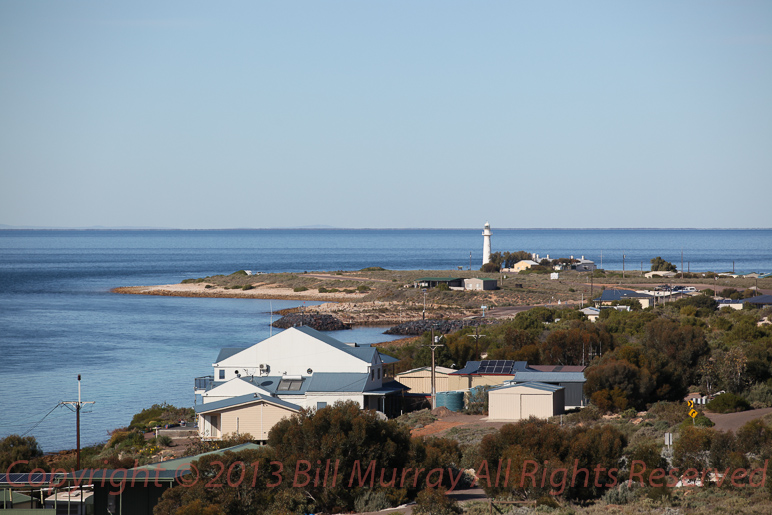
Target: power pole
x=435 y=344
x=476 y=337
x=79 y=404
x=623 y=266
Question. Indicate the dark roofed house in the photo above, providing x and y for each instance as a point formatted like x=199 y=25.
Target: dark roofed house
x=609 y=296
x=761 y=300
x=432 y=282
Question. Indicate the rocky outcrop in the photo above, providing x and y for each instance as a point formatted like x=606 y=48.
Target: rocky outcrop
x=318 y=322
x=418 y=327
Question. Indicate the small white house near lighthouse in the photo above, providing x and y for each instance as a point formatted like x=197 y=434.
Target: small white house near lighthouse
x=486 y=243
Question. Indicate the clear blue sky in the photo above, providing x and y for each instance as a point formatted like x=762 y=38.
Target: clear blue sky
x=386 y=114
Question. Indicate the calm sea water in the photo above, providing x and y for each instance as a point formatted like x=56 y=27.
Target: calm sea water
x=58 y=318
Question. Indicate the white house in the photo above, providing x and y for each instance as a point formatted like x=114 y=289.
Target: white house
x=294 y=369
x=584 y=265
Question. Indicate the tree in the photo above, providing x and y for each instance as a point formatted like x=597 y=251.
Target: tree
x=660 y=265
x=20 y=448
x=354 y=437
x=237 y=496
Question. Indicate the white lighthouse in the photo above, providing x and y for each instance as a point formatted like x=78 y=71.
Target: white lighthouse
x=486 y=243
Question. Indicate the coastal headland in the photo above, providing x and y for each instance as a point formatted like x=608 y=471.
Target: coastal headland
x=374 y=296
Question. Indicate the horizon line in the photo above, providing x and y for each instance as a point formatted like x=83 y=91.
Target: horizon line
x=323 y=228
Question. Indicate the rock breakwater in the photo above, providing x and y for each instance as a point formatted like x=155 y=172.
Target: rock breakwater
x=314 y=321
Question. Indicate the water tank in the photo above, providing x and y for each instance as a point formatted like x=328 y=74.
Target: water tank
x=454 y=401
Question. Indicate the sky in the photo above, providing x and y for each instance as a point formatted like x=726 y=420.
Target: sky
x=389 y=114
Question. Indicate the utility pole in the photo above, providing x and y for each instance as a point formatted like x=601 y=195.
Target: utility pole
x=435 y=344
x=77 y=405
x=623 y=266
x=682 y=264
x=476 y=337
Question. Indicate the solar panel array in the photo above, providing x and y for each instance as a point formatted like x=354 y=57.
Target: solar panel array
x=29 y=479
x=496 y=366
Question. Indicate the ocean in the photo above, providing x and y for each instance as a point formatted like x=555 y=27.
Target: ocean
x=58 y=318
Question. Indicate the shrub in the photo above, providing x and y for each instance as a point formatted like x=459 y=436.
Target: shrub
x=349 y=291
x=728 y=403
x=443 y=287
x=363 y=288
x=373 y=269
x=247 y=287
x=371 y=500
x=759 y=396
x=164 y=441
x=433 y=501
x=299 y=288
x=322 y=289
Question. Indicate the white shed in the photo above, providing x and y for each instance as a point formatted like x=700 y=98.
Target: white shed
x=523 y=400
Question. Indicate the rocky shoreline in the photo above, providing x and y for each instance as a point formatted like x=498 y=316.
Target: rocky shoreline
x=314 y=321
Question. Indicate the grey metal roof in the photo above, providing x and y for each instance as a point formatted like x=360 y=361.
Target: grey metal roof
x=387 y=360
x=337 y=382
x=761 y=299
x=532 y=384
x=550 y=377
x=244 y=399
x=387 y=388
x=471 y=367
x=227 y=352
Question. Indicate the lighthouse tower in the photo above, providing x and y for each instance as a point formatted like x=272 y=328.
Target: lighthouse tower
x=486 y=243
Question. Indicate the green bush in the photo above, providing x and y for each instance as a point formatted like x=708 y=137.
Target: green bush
x=322 y=289
x=363 y=288
x=247 y=287
x=728 y=403
x=164 y=441
x=299 y=288
x=373 y=269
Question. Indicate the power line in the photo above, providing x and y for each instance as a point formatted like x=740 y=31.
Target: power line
x=22 y=421
x=41 y=420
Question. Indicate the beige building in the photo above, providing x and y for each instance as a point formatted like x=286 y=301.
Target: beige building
x=521 y=401
x=419 y=380
x=253 y=414
x=525 y=264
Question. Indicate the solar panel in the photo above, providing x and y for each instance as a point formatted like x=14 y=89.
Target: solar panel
x=496 y=366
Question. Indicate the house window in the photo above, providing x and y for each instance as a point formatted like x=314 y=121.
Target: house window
x=320 y=405
x=372 y=375
x=222 y=374
x=289 y=385
x=379 y=373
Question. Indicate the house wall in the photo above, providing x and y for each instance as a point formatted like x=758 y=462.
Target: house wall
x=521 y=403
x=574 y=394
x=456 y=382
x=292 y=352
x=421 y=381
x=312 y=400
x=256 y=419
